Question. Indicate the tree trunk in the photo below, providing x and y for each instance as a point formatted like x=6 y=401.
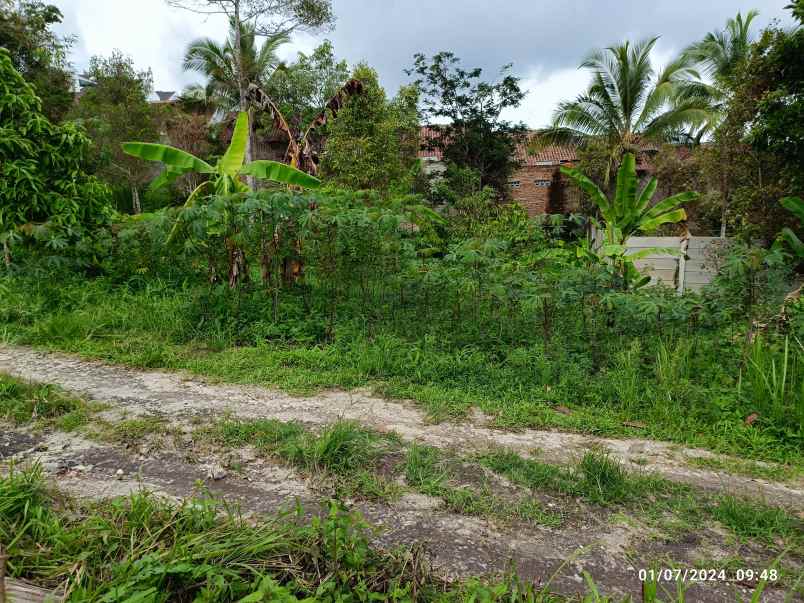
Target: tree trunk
x=724 y=190
x=6 y=253
x=243 y=87
x=135 y=199
x=238 y=267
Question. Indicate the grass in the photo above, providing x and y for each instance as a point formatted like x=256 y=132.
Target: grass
x=692 y=402
x=44 y=405
x=143 y=548
x=429 y=472
x=599 y=479
x=345 y=452
x=750 y=519
x=350 y=456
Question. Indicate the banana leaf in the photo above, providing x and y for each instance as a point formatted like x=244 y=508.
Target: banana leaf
x=625 y=195
x=235 y=155
x=669 y=203
x=168 y=155
x=591 y=189
x=280 y=172
x=670 y=217
x=649 y=251
x=646 y=195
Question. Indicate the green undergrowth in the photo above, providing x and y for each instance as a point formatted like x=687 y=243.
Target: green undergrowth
x=142 y=548
x=599 y=479
x=671 y=390
x=24 y=403
x=681 y=388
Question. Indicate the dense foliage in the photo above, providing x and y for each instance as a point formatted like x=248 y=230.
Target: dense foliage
x=508 y=318
x=45 y=191
x=425 y=287
x=773 y=82
x=114 y=109
x=373 y=142
x=39 y=54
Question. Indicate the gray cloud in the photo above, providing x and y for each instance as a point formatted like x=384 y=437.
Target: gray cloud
x=545 y=41
x=531 y=34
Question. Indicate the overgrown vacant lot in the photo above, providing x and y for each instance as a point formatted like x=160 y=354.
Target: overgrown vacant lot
x=285 y=336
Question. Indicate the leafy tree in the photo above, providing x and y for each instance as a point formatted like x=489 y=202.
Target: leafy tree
x=797 y=8
x=772 y=87
x=114 y=109
x=628 y=103
x=45 y=190
x=758 y=147
x=475 y=134
x=189 y=132
x=302 y=89
x=37 y=52
x=368 y=144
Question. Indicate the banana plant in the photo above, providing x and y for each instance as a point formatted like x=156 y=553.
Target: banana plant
x=224 y=176
x=300 y=153
x=796 y=206
x=628 y=213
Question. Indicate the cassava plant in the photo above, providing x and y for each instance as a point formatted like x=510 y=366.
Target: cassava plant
x=628 y=213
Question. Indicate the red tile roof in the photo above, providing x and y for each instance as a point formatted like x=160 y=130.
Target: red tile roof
x=550 y=155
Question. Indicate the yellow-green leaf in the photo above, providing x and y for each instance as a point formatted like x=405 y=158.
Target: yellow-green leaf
x=235 y=155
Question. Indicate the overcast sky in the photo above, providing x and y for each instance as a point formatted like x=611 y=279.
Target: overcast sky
x=545 y=41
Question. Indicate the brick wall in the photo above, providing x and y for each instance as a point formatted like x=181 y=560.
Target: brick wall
x=537 y=189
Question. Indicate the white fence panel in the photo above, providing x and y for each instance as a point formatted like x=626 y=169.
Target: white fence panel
x=688 y=272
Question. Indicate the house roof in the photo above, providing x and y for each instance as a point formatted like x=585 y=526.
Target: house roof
x=549 y=155
x=165 y=96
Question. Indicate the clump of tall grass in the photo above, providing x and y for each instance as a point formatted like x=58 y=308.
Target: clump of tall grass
x=772 y=380
x=22 y=403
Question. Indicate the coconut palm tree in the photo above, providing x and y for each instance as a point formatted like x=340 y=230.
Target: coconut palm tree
x=218 y=64
x=229 y=73
x=628 y=103
x=718 y=55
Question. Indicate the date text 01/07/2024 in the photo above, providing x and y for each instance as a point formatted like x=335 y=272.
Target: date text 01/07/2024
x=707 y=575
